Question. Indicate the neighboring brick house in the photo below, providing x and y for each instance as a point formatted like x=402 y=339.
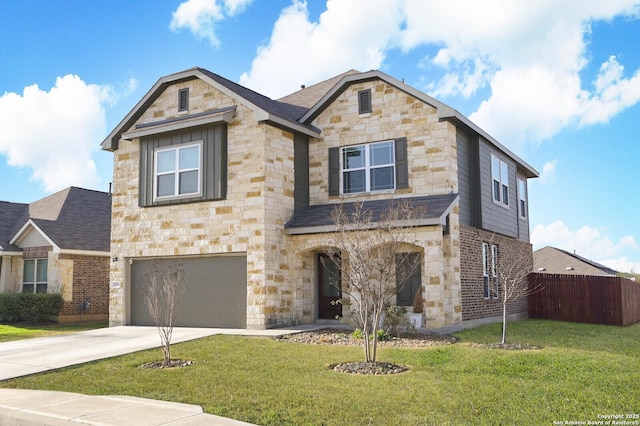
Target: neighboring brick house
x=239 y=187
x=59 y=244
x=551 y=260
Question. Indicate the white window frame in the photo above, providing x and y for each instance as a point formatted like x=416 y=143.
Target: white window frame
x=499 y=177
x=35 y=283
x=367 y=167
x=176 y=171
x=490 y=271
x=522 y=199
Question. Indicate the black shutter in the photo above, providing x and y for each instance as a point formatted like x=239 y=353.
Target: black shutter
x=334 y=171
x=402 y=167
x=183 y=100
x=364 y=101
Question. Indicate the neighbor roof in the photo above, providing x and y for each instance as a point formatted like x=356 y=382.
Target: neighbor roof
x=557 y=261
x=72 y=219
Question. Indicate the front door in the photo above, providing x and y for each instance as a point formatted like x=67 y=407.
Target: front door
x=328 y=288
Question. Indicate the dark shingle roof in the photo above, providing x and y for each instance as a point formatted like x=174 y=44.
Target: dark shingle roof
x=74 y=219
x=319 y=216
x=12 y=217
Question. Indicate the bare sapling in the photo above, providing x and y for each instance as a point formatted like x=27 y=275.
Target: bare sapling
x=165 y=288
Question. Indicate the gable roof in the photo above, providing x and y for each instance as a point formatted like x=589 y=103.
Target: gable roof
x=317 y=219
x=71 y=219
x=12 y=216
x=557 y=261
x=294 y=112
x=444 y=111
x=265 y=109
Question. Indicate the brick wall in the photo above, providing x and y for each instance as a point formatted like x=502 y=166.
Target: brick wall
x=91 y=283
x=36 y=252
x=474 y=305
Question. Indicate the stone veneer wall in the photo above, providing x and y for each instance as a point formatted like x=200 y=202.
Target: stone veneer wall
x=474 y=305
x=431 y=144
x=281 y=268
x=249 y=221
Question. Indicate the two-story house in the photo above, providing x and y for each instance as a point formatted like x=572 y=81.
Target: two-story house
x=240 y=188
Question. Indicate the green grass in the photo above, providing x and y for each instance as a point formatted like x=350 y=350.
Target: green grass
x=28 y=331
x=581 y=371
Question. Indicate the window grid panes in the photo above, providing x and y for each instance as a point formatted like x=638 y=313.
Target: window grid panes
x=522 y=198
x=34 y=276
x=177 y=171
x=367 y=168
x=500 y=176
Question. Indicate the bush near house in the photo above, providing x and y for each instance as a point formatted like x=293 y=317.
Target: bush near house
x=30 y=308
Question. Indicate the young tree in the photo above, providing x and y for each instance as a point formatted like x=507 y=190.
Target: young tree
x=370 y=250
x=510 y=269
x=164 y=291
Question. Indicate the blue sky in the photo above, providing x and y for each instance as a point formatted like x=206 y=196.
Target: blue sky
x=556 y=82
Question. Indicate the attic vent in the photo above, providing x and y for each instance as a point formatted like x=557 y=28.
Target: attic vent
x=183 y=100
x=364 y=101
x=569 y=268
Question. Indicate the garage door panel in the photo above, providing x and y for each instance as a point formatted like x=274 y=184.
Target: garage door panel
x=215 y=295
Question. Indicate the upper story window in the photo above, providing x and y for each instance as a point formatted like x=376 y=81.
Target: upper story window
x=34 y=276
x=183 y=100
x=364 y=101
x=177 y=171
x=500 y=176
x=368 y=168
x=522 y=198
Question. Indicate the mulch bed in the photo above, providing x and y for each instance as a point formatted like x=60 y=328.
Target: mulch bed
x=343 y=337
x=174 y=363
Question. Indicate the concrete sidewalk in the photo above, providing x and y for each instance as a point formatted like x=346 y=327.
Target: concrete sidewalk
x=20 y=407
x=29 y=356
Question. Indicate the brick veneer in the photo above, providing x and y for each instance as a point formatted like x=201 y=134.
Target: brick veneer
x=90 y=281
x=474 y=305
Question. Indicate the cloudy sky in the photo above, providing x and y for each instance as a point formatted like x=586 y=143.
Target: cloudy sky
x=556 y=82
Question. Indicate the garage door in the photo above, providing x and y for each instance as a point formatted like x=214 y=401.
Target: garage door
x=215 y=295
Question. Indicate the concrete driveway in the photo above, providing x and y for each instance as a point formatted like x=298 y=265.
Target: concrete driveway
x=29 y=356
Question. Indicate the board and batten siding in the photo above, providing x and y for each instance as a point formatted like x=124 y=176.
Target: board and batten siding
x=468 y=179
x=214 y=162
x=496 y=217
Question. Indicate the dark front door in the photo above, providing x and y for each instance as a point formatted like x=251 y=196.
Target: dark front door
x=328 y=288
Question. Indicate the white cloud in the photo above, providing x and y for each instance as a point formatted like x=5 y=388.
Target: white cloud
x=530 y=54
x=55 y=133
x=349 y=34
x=548 y=171
x=587 y=241
x=622 y=264
x=201 y=16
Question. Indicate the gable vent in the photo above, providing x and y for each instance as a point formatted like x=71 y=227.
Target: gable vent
x=183 y=100
x=364 y=101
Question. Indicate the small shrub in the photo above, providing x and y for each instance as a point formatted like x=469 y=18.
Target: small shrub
x=383 y=335
x=395 y=318
x=29 y=307
x=357 y=334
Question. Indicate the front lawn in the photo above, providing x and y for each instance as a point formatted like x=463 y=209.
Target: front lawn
x=580 y=372
x=27 y=331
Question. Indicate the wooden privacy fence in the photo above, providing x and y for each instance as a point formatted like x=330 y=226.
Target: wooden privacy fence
x=584 y=298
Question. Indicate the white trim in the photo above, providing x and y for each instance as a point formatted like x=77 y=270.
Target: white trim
x=10 y=253
x=176 y=171
x=367 y=167
x=21 y=233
